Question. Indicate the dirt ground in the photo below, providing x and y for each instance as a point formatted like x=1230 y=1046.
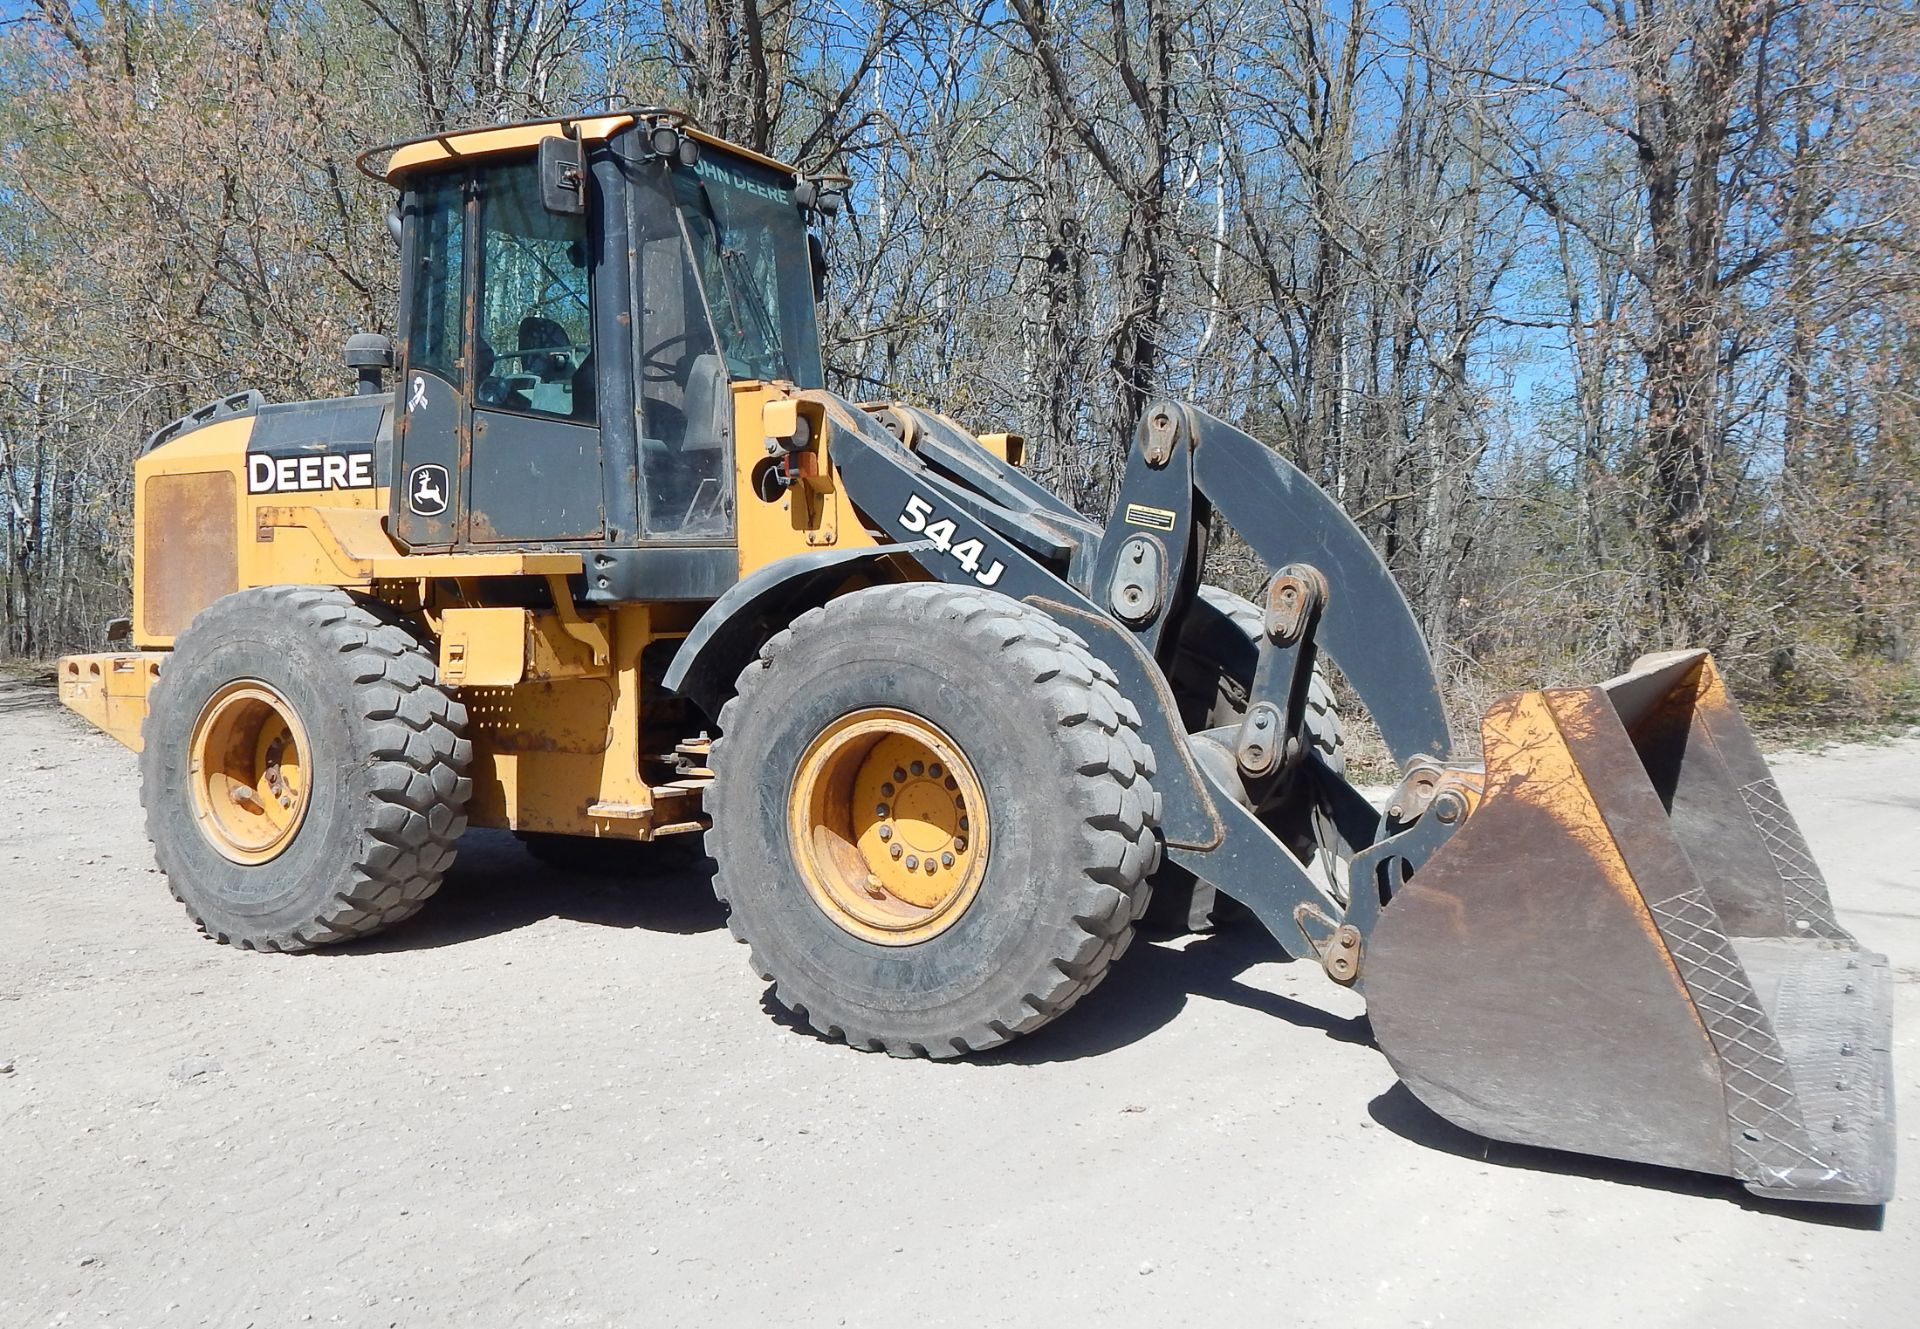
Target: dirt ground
x=561 y=1101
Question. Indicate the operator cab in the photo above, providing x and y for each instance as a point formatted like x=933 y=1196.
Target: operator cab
x=577 y=299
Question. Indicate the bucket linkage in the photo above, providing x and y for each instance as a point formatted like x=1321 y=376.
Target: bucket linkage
x=1610 y=937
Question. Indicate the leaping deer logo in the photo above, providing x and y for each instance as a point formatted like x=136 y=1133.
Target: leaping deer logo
x=428 y=495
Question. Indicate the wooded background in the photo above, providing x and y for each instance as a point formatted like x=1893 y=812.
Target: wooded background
x=1601 y=318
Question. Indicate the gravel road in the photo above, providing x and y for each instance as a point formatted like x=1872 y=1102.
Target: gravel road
x=561 y=1101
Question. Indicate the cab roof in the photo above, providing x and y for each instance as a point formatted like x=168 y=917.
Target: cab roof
x=412 y=155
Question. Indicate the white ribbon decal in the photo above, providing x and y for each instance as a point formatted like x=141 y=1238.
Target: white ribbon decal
x=418 y=397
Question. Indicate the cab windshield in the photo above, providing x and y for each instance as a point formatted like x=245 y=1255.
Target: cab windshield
x=750 y=246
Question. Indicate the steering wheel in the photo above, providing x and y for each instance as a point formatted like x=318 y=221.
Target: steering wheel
x=656 y=367
x=559 y=348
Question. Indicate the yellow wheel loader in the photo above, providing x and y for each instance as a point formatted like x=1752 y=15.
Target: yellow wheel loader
x=605 y=560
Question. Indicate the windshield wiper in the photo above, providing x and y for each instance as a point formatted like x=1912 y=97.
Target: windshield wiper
x=740 y=286
x=740 y=279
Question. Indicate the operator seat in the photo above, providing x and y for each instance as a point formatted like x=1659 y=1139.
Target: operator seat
x=544 y=346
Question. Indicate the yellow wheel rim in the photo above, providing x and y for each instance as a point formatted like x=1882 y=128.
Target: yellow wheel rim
x=248 y=772
x=889 y=824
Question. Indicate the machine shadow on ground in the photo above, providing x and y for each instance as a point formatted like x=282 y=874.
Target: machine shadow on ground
x=1149 y=987
x=1406 y=1116
x=496 y=886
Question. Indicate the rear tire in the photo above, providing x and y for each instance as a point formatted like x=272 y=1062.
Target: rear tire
x=1064 y=816
x=383 y=742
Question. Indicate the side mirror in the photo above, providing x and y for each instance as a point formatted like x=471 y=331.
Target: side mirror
x=563 y=176
x=368 y=353
x=817 y=256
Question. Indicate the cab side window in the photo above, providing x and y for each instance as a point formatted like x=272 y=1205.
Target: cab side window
x=534 y=351
x=435 y=282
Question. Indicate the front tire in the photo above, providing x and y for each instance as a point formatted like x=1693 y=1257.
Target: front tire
x=1019 y=785
x=303 y=771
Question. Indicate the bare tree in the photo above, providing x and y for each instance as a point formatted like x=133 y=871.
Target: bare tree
x=1599 y=317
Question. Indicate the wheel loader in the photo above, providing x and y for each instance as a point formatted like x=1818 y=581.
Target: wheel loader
x=605 y=561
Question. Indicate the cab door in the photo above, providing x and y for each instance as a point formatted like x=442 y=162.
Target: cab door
x=433 y=412
x=534 y=466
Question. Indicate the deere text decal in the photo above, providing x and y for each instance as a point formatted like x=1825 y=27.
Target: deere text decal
x=326 y=470
x=714 y=173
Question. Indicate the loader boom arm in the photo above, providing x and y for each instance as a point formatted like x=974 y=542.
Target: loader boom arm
x=1133 y=588
x=1624 y=842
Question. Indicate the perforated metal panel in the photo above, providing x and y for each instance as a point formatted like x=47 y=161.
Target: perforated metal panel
x=188 y=554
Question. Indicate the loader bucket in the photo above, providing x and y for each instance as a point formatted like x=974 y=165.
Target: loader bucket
x=1627 y=950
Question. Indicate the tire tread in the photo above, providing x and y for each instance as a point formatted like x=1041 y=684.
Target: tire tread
x=404 y=858
x=1112 y=790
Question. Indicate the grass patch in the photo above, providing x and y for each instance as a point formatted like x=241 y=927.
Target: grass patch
x=17 y=668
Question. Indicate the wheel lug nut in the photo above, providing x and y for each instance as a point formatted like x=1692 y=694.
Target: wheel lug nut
x=913 y=863
x=899 y=774
x=895 y=851
x=934 y=770
x=959 y=846
x=929 y=865
x=887 y=789
x=952 y=783
x=946 y=860
x=886 y=832
x=880 y=810
x=919 y=768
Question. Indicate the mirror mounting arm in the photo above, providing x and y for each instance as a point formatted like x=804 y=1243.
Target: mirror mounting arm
x=563 y=176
